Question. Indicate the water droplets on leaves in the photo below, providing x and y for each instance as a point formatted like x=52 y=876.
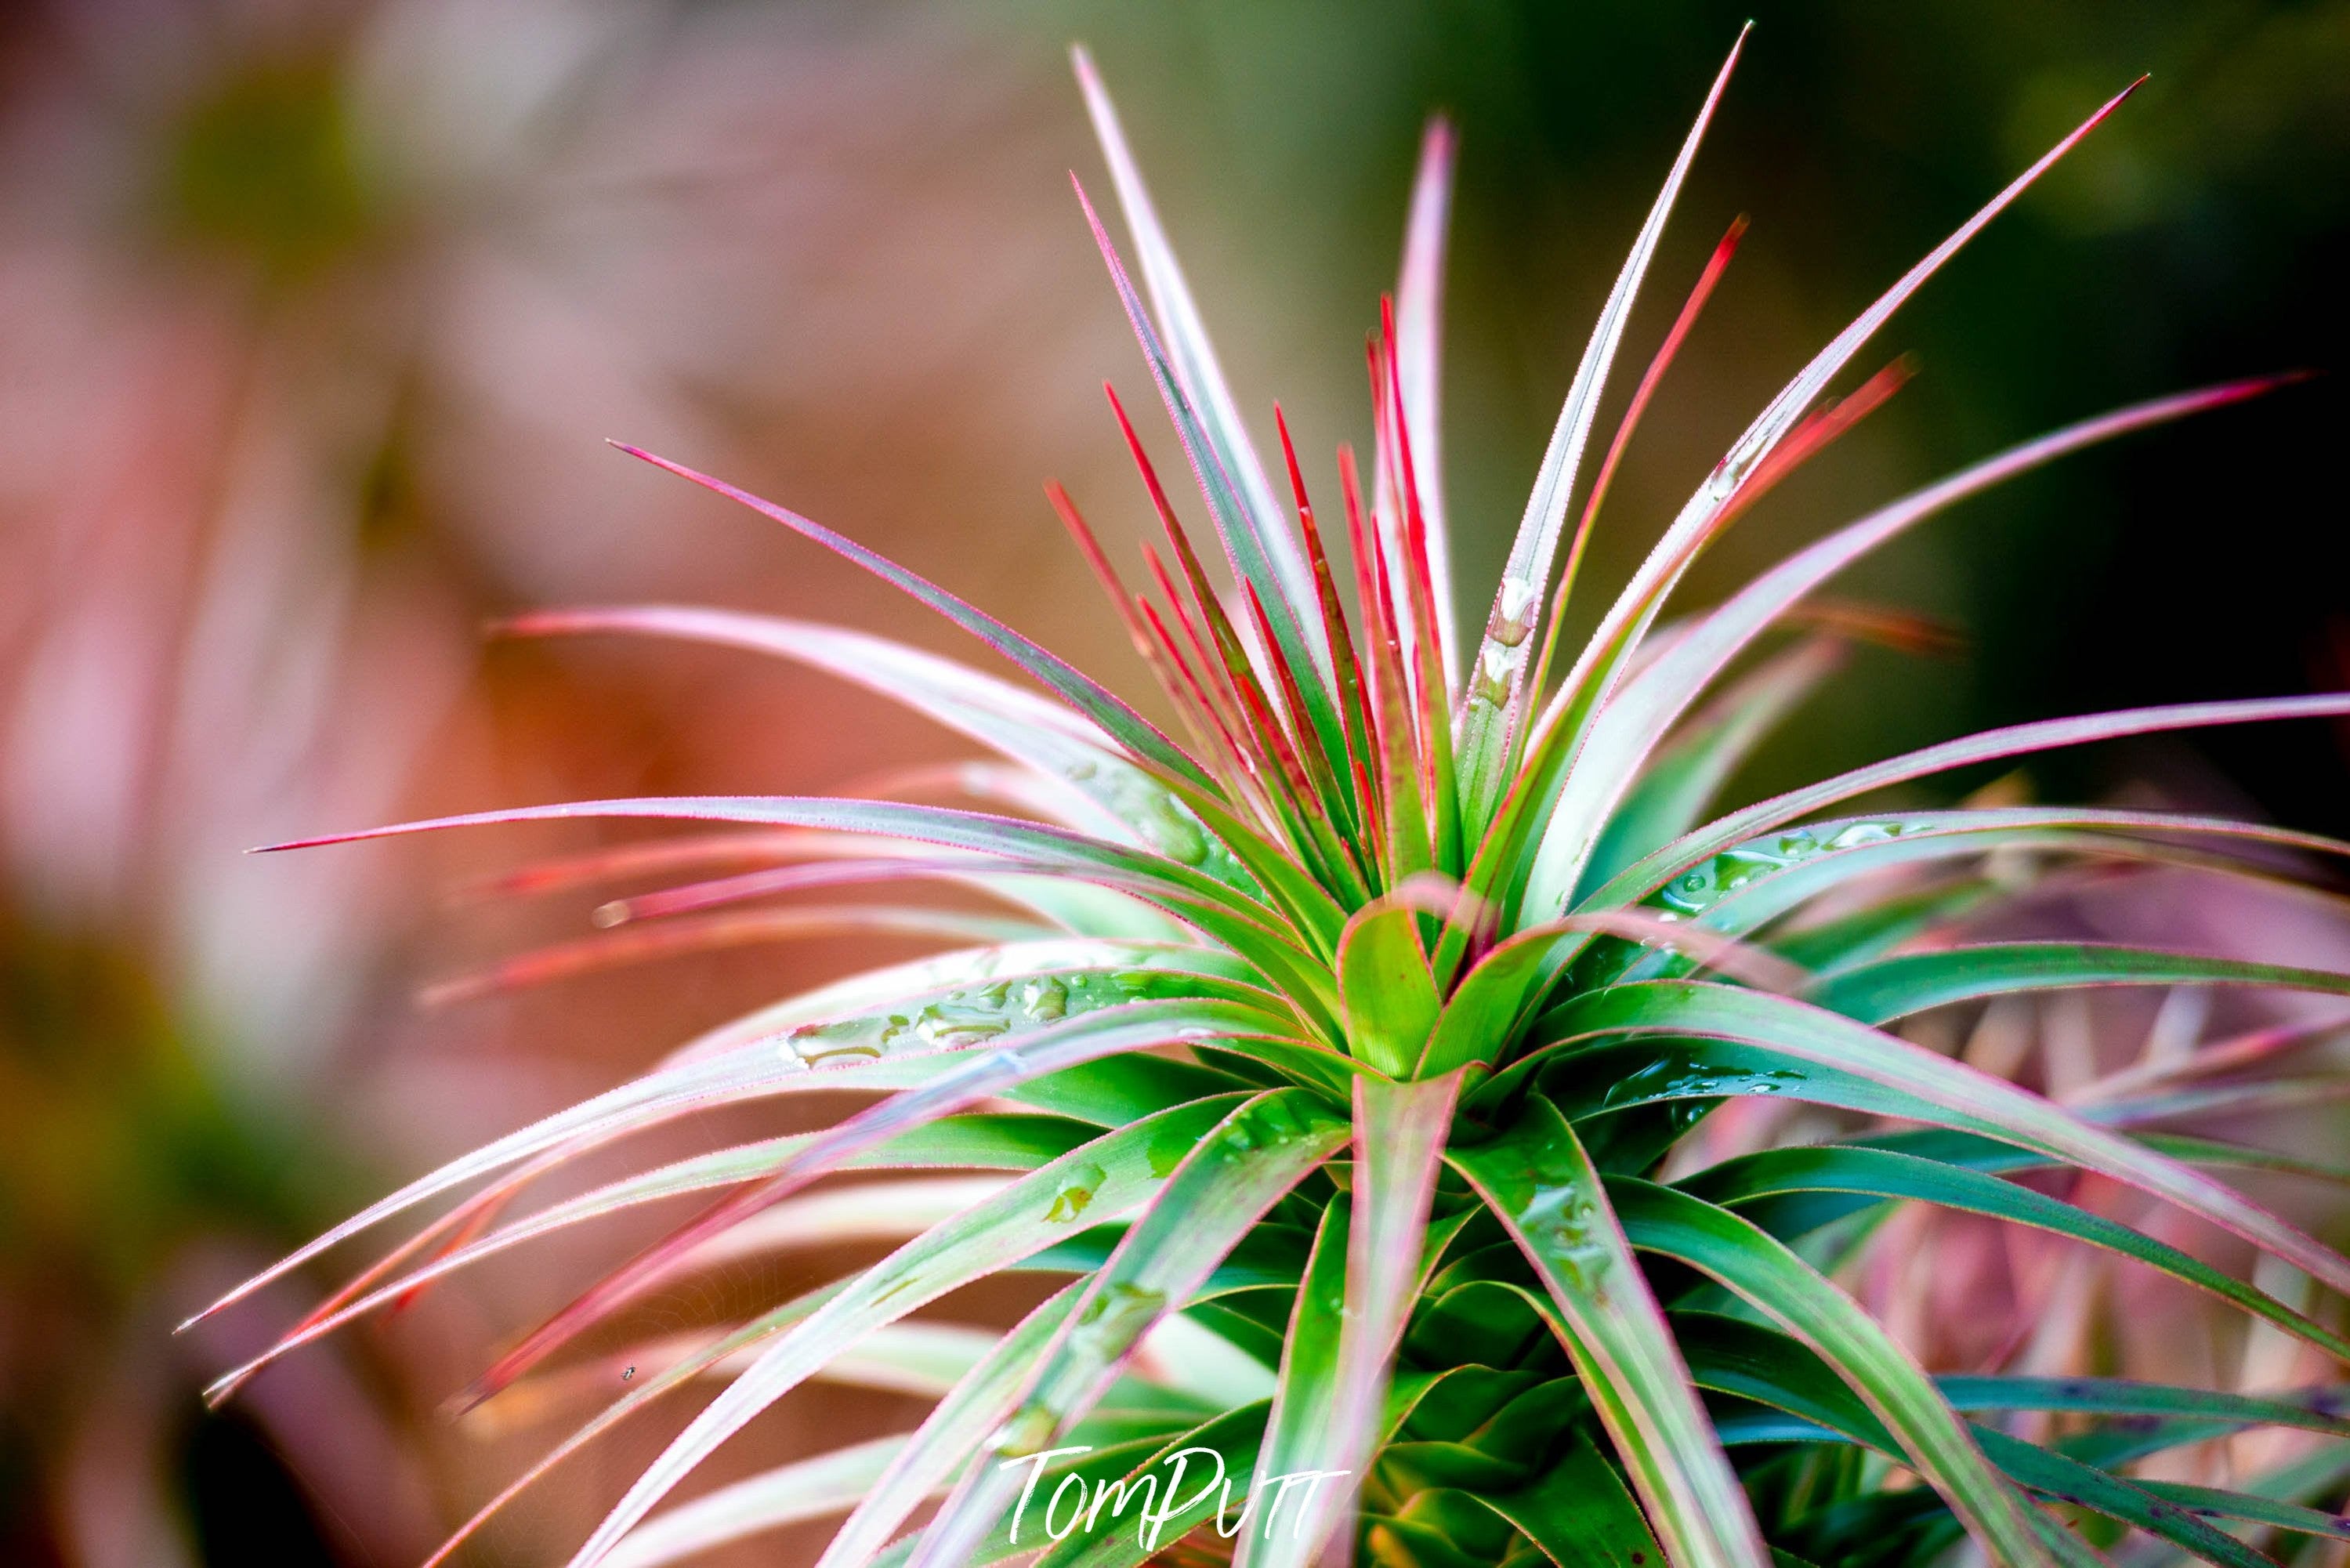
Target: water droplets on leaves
x=1077 y=1193
x=1489 y=682
x=1268 y=1124
x=1513 y=612
x=1700 y=887
x=1044 y=999
x=1672 y=1080
x=1029 y=1429
x=970 y=1014
x=1114 y=1319
x=1176 y=835
x=1163 y=823
x=1561 y=1217
x=815 y=1053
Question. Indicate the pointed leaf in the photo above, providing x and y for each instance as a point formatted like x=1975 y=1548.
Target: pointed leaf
x=1496 y=698
x=1541 y=1184
x=1637 y=719
x=955 y=1429
x=1069 y=750
x=1420 y=336
x=1189 y=356
x=1781 y=1190
x=1932 y=1087
x=1221 y=1190
x=1766 y=1272
x=1116 y=1172
x=1089 y=697
x=1390 y=998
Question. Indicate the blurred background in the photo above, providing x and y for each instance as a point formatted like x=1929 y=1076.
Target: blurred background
x=314 y=315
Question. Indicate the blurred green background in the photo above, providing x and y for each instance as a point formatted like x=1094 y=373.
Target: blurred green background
x=313 y=314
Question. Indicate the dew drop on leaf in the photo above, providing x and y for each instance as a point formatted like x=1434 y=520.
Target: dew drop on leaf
x=1075 y=1193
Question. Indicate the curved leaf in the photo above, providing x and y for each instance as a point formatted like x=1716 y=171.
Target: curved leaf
x=1224 y=913
x=1757 y=1185
x=1217 y=1195
x=1495 y=701
x=1673 y=791
x=1747 y=1260
x=1655 y=871
x=1891 y=988
x=1070 y=751
x=788 y=1494
x=1543 y=1186
x=1116 y=1173
x=1635 y=720
x=954 y=1429
x=1944 y=1092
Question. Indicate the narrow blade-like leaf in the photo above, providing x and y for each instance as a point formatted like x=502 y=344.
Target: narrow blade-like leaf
x=1543 y=1186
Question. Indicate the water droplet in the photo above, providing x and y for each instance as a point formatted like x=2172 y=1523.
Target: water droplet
x=950 y=1023
x=1075 y=1193
x=841 y=1052
x=1029 y=1430
x=1490 y=682
x=1513 y=612
x=1173 y=833
x=1044 y=998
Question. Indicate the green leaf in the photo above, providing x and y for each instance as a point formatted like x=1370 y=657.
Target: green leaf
x=1116 y=1173
x=1933 y=1088
x=2218 y=1502
x=1304 y=1399
x=1388 y=997
x=1760 y=1185
x=1756 y=1364
x=1327 y=1419
x=1494 y=706
x=1748 y=1261
x=955 y=1428
x=1541 y=1184
x=2069 y=1480
x=2315 y=1410
x=1581 y=1514
x=1220 y=1192
x=1891 y=988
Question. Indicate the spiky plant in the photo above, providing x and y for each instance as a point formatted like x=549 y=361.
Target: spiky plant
x=1357 y=1033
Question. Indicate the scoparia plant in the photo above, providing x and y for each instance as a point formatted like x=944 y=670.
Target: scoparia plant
x=1356 y=1030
